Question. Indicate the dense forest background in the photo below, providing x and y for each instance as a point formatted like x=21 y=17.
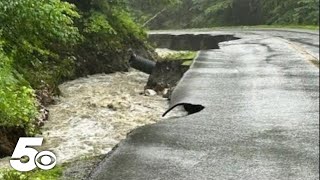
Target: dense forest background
x=177 y=14
x=46 y=42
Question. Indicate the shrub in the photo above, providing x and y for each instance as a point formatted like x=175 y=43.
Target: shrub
x=17 y=100
x=37 y=35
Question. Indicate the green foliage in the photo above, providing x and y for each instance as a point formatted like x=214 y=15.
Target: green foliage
x=178 y=55
x=12 y=175
x=36 y=35
x=34 y=22
x=309 y=27
x=108 y=32
x=35 y=38
x=170 y=55
x=209 y=13
x=52 y=174
x=97 y=23
x=109 y=19
x=44 y=42
x=213 y=12
x=17 y=102
x=144 y=10
x=291 y=12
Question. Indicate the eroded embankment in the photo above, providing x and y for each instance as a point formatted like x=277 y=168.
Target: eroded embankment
x=167 y=73
x=163 y=73
x=189 y=42
x=95 y=113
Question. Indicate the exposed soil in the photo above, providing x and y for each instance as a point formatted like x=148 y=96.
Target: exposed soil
x=165 y=76
x=8 y=139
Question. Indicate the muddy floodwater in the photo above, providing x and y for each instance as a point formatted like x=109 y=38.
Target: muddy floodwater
x=94 y=114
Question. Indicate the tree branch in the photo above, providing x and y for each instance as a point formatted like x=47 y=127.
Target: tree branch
x=155 y=16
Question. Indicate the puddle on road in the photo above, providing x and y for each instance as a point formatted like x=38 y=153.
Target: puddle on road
x=95 y=113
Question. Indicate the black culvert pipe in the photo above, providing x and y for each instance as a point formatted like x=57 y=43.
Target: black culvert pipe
x=142 y=64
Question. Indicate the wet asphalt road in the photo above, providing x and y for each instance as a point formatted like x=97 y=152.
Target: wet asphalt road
x=261 y=119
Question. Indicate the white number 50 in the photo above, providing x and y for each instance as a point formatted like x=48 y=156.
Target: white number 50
x=45 y=160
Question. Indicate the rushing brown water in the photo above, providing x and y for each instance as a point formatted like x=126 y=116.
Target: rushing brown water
x=93 y=114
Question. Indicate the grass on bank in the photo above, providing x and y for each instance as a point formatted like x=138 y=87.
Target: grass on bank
x=284 y=27
x=79 y=168
x=53 y=174
x=186 y=56
x=306 y=27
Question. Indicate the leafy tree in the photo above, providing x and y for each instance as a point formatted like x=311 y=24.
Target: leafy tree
x=291 y=12
x=109 y=32
x=146 y=11
x=17 y=103
x=44 y=42
x=208 y=13
x=36 y=34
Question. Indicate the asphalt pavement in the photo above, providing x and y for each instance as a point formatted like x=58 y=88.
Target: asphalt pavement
x=261 y=120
